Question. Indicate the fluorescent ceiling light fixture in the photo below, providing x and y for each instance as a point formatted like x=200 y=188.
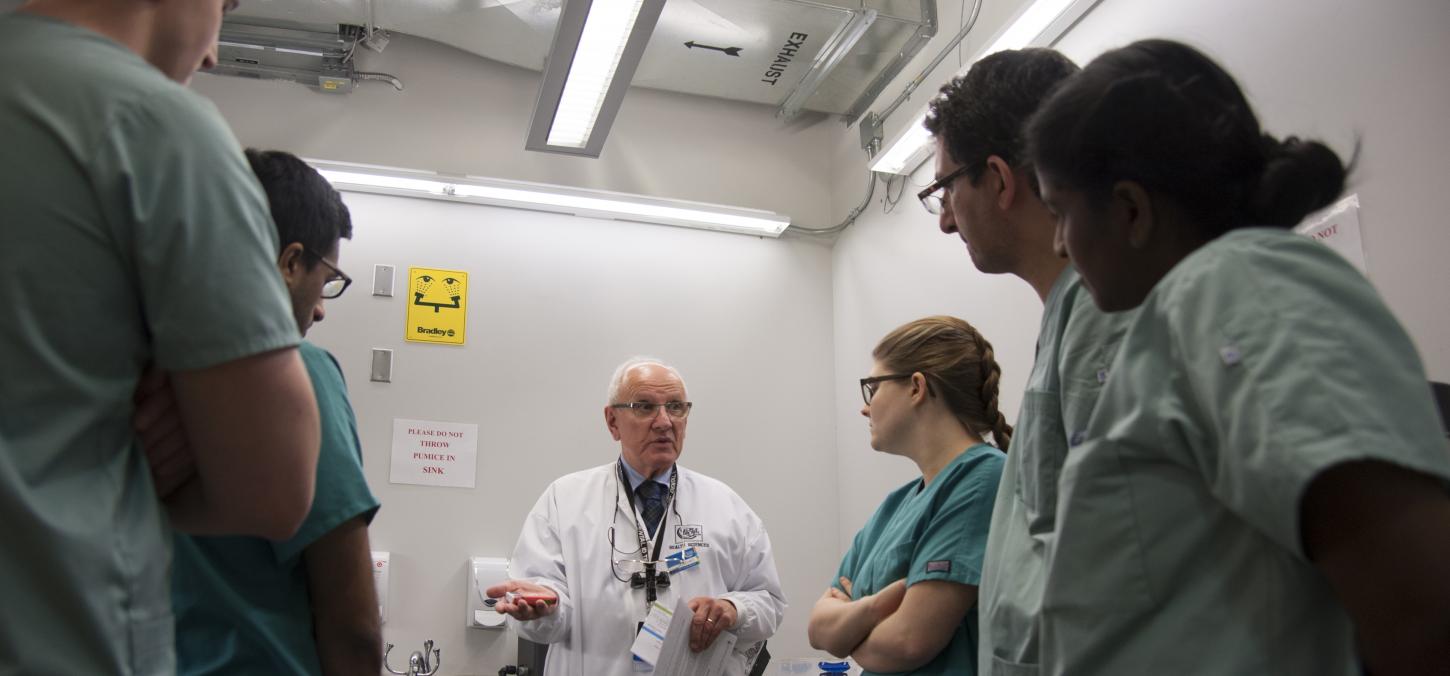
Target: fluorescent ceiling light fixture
x=303 y=52
x=595 y=61
x=1040 y=23
x=1029 y=24
x=907 y=151
x=552 y=198
x=597 y=47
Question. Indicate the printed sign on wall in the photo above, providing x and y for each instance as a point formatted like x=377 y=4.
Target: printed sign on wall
x=437 y=305
x=431 y=453
x=1337 y=227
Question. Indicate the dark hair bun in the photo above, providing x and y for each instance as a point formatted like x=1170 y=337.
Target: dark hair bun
x=1299 y=178
x=1163 y=114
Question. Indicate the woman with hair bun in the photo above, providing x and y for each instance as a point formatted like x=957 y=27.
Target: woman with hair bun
x=906 y=592
x=1264 y=487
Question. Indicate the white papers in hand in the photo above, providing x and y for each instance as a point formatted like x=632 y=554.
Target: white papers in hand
x=676 y=658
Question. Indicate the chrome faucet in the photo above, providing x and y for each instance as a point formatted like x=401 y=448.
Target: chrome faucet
x=419 y=663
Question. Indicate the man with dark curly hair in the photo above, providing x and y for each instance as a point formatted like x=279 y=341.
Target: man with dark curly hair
x=985 y=191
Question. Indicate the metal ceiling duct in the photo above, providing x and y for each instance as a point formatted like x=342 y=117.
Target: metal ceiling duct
x=317 y=59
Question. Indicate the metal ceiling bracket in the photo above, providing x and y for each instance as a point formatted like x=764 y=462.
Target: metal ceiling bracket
x=871 y=134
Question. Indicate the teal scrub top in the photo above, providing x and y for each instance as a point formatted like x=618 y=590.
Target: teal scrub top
x=242 y=604
x=938 y=533
x=1075 y=346
x=132 y=231
x=1260 y=360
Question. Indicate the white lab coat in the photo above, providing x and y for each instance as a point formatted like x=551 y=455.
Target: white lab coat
x=564 y=546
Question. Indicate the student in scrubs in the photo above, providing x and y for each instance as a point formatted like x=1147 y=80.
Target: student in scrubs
x=307 y=604
x=985 y=196
x=1263 y=486
x=905 y=599
x=133 y=233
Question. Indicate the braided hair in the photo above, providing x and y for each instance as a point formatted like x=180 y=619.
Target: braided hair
x=960 y=367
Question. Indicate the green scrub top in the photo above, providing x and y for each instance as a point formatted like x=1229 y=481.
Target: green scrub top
x=132 y=231
x=242 y=604
x=1258 y=362
x=936 y=533
x=1075 y=346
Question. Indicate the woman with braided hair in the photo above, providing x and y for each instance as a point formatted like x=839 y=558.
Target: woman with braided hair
x=906 y=595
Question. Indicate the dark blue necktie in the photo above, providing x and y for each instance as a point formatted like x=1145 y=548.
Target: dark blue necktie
x=651 y=504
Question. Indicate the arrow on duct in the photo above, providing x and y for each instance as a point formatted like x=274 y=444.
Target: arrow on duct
x=732 y=51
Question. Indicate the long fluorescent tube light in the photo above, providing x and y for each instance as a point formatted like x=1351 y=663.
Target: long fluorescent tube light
x=597 y=47
x=1027 y=27
x=1040 y=23
x=596 y=59
x=551 y=198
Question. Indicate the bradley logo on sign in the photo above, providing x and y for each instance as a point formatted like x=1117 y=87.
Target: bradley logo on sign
x=787 y=53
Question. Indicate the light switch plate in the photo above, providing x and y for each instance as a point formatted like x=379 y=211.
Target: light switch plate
x=382 y=365
x=382 y=280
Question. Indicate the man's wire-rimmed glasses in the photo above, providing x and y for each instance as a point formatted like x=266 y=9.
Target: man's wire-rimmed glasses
x=645 y=410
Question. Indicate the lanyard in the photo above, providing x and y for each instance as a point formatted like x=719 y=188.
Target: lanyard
x=650 y=592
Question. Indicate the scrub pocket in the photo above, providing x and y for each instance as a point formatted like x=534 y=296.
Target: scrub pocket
x=1039 y=458
x=885 y=566
x=1098 y=561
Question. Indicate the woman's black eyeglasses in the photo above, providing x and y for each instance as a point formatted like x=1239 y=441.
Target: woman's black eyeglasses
x=869 y=385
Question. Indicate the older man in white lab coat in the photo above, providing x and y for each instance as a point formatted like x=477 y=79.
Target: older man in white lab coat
x=582 y=564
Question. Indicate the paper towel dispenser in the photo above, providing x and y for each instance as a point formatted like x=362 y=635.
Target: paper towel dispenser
x=484 y=572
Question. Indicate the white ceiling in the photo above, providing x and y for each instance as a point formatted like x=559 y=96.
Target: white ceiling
x=519 y=32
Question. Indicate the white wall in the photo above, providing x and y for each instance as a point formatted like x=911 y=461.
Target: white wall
x=1320 y=69
x=556 y=302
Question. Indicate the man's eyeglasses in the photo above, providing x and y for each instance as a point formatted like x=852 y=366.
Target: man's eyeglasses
x=645 y=410
x=337 y=283
x=933 y=195
x=869 y=385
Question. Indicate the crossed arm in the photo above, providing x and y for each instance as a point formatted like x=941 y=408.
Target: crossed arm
x=233 y=447
x=896 y=629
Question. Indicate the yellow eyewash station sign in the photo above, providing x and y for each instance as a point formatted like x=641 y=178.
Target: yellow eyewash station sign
x=437 y=305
